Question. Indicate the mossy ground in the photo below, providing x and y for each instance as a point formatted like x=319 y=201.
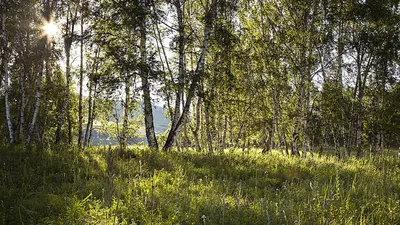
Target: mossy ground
x=139 y=186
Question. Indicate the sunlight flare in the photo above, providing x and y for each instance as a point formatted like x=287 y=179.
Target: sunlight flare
x=50 y=29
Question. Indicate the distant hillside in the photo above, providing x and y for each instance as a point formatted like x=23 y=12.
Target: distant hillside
x=161 y=123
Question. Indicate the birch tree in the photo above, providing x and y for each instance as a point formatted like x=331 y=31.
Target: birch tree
x=210 y=13
x=6 y=72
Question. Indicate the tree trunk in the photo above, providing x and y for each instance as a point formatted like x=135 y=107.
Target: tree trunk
x=148 y=114
x=361 y=77
x=22 y=78
x=336 y=142
x=127 y=107
x=6 y=78
x=296 y=131
x=181 y=64
x=65 y=104
x=70 y=28
x=47 y=102
x=69 y=120
x=89 y=118
x=198 y=122
x=274 y=118
x=91 y=97
x=174 y=132
x=264 y=141
x=219 y=130
x=185 y=125
x=208 y=132
x=93 y=115
x=340 y=49
x=38 y=94
x=148 y=111
x=286 y=143
x=244 y=141
x=22 y=109
x=380 y=134
x=306 y=138
x=223 y=144
x=80 y=114
x=230 y=131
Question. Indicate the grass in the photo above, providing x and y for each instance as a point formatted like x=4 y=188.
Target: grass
x=102 y=186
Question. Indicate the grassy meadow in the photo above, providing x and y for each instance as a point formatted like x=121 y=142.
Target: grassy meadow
x=104 y=186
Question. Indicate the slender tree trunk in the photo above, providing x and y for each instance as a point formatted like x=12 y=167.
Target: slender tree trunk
x=174 y=132
x=223 y=144
x=198 y=122
x=306 y=138
x=93 y=115
x=47 y=102
x=91 y=97
x=361 y=77
x=69 y=120
x=274 y=118
x=148 y=110
x=185 y=129
x=264 y=142
x=380 y=143
x=89 y=118
x=116 y=117
x=22 y=109
x=230 y=131
x=340 y=49
x=38 y=94
x=244 y=141
x=278 y=121
x=219 y=130
x=65 y=104
x=181 y=64
x=70 y=28
x=241 y=127
x=208 y=131
x=148 y=114
x=127 y=107
x=296 y=131
x=22 y=78
x=336 y=141
x=286 y=143
x=181 y=56
x=80 y=114
x=6 y=78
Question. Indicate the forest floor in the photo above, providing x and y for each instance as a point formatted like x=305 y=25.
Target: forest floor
x=102 y=186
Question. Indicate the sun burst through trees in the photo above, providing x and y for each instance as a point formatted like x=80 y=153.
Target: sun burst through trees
x=49 y=28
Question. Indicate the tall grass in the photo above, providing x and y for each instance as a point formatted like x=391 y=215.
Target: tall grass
x=139 y=186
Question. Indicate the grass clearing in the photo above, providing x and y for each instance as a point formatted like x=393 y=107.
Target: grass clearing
x=99 y=186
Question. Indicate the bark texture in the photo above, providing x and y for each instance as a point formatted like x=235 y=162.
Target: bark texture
x=144 y=73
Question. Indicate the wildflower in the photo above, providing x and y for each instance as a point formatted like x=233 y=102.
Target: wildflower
x=204 y=218
x=326 y=202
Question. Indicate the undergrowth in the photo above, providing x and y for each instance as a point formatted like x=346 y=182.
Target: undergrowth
x=104 y=186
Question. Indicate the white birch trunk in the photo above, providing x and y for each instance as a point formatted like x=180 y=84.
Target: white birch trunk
x=148 y=111
x=6 y=78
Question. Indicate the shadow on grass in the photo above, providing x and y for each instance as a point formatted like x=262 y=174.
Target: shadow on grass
x=38 y=182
